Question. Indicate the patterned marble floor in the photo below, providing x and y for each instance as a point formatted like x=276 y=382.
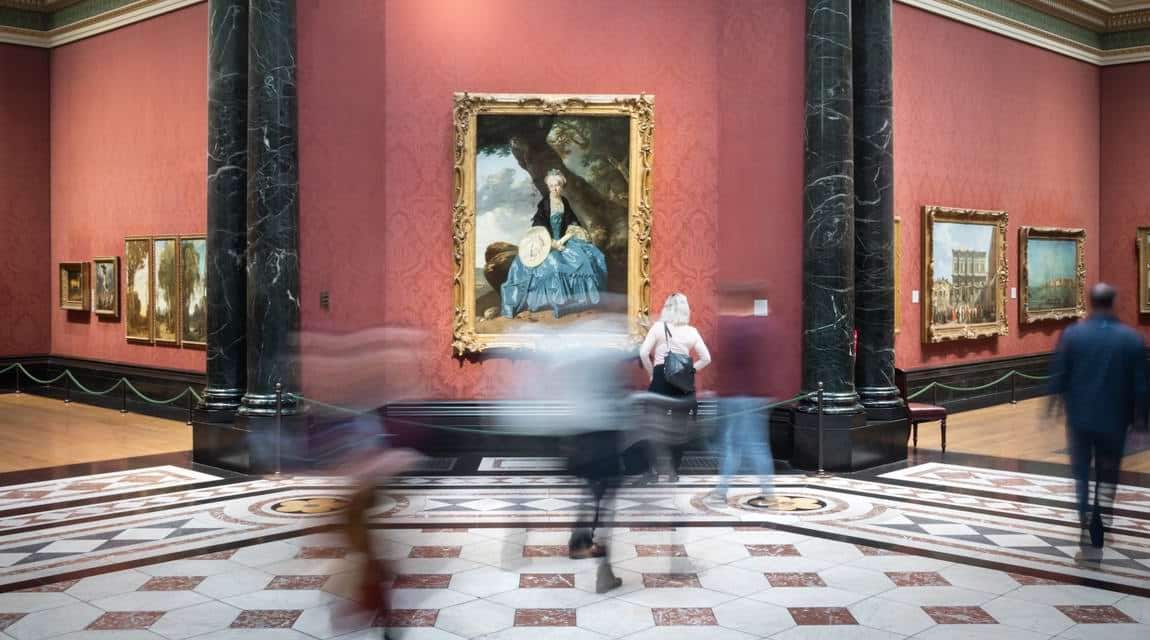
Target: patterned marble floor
x=909 y=554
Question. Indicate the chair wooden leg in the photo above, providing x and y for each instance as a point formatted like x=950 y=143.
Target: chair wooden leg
x=914 y=434
x=943 y=428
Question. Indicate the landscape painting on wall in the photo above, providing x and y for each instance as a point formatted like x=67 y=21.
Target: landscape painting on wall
x=193 y=290
x=106 y=286
x=138 y=289
x=1053 y=280
x=964 y=274
x=551 y=219
x=1144 y=269
x=74 y=286
x=165 y=290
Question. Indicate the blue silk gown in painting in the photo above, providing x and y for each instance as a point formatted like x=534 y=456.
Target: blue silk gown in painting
x=566 y=281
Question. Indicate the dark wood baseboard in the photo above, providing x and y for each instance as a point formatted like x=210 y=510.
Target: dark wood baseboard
x=977 y=374
x=99 y=375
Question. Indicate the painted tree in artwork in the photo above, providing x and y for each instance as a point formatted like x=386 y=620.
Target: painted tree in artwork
x=592 y=152
x=165 y=290
x=193 y=292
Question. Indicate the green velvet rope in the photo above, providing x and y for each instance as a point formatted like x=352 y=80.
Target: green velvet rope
x=122 y=381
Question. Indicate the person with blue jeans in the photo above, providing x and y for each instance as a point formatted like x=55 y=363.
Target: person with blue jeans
x=744 y=420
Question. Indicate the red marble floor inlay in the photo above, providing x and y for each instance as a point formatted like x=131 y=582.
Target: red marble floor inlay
x=795 y=580
x=87 y=486
x=959 y=615
x=54 y=587
x=216 y=555
x=545 y=617
x=1094 y=614
x=266 y=619
x=407 y=618
x=9 y=619
x=875 y=551
x=322 y=553
x=23 y=495
x=297 y=582
x=422 y=581
x=123 y=620
x=435 y=552
x=670 y=580
x=821 y=615
x=172 y=583
x=684 y=616
x=772 y=550
x=547 y=581
x=1026 y=580
x=661 y=551
x=917 y=579
x=545 y=551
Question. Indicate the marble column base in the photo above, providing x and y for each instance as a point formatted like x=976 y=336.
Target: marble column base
x=842 y=403
x=266 y=405
x=882 y=403
x=222 y=401
x=850 y=442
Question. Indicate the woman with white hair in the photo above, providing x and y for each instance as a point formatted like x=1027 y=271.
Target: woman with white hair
x=574 y=270
x=672 y=341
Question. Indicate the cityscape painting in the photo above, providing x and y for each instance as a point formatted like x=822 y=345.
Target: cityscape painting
x=964 y=274
x=1053 y=281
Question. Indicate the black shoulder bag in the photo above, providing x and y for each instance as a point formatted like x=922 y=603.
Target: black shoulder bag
x=678 y=368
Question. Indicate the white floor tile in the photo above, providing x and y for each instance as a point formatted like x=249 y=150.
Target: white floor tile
x=938 y=596
x=281 y=599
x=550 y=633
x=615 y=618
x=753 y=617
x=29 y=602
x=427 y=598
x=255 y=634
x=717 y=551
x=265 y=553
x=1065 y=594
x=191 y=568
x=690 y=633
x=1040 y=618
x=888 y=615
x=150 y=601
x=108 y=584
x=54 y=622
x=835 y=632
x=1136 y=607
x=979 y=579
x=334 y=619
x=546 y=598
x=1107 y=632
x=122 y=634
x=484 y=582
x=808 y=597
x=226 y=585
x=677 y=597
x=978 y=632
x=733 y=580
x=861 y=581
x=195 y=620
x=475 y=618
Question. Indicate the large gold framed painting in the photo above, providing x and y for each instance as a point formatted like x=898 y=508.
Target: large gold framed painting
x=551 y=219
x=1052 y=285
x=1143 y=269
x=964 y=274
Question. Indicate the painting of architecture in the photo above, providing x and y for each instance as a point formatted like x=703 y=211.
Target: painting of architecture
x=964 y=274
x=1053 y=281
x=567 y=177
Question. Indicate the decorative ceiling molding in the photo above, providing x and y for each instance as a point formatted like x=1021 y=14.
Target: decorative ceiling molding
x=72 y=20
x=1128 y=41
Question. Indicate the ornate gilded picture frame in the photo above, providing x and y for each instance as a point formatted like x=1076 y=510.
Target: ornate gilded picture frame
x=1143 y=269
x=964 y=274
x=106 y=286
x=165 y=290
x=138 y=289
x=551 y=220
x=1052 y=283
x=193 y=291
x=74 y=286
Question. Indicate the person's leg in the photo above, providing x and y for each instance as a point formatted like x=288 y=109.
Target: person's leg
x=729 y=460
x=758 y=423
x=1080 y=466
x=1108 y=457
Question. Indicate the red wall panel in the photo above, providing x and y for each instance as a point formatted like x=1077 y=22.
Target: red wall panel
x=25 y=217
x=985 y=122
x=129 y=141
x=1125 y=167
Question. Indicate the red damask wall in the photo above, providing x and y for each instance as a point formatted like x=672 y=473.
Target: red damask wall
x=1125 y=168
x=376 y=193
x=25 y=218
x=986 y=122
x=129 y=140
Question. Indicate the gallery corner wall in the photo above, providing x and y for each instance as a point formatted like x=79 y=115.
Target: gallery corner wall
x=1125 y=175
x=986 y=122
x=24 y=201
x=129 y=140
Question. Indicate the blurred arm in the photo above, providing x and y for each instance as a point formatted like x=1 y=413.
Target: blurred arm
x=1059 y=371
x=704 y=354
x=646 y=348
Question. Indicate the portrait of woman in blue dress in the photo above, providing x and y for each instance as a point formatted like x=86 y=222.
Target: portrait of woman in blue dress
x=572 y=275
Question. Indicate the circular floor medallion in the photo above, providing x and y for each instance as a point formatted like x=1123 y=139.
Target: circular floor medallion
x=310 y=506
x=785 y=503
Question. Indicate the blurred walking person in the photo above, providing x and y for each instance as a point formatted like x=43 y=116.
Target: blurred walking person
x=1099 y=375
x=744 y=427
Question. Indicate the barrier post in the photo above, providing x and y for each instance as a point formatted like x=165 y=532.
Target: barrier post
x=1013 y=397
x=18 y=372
x=123 y=395
x=819 y=424
x=189 y=407
x=67 y=396
x=279 y=422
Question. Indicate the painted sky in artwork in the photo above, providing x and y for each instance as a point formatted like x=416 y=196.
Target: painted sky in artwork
x=1049 y=259
x=952 y=236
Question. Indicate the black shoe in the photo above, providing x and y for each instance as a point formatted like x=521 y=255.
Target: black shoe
x=1096 y=531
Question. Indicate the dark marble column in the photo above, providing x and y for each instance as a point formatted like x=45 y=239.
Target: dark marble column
x=273 y=208
x=874 y=205
x=227 y=202
x=828 y=210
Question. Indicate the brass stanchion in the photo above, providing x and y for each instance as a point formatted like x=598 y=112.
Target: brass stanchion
x=279 y=422
x=819 y=423
x=1013 y=397
x=123 y=395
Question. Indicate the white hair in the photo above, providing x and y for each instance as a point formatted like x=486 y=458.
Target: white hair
x=555 y=175
x=676 y=311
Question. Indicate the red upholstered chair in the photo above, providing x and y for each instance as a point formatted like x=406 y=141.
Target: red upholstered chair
x=917 y=412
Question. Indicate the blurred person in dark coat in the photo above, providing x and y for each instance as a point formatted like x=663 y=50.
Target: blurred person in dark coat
x=1099 y=375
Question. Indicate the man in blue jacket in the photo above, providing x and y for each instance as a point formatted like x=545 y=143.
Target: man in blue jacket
x=1099 y=373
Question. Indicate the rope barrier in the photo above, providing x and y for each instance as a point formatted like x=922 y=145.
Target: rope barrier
x=948 y=387
x=67 y=373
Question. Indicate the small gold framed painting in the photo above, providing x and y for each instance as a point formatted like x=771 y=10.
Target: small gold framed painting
x=138 y=289
x=1143 y=269
x=1052 y=285
x=106 y=286
x=165 y=290
x=74 y=286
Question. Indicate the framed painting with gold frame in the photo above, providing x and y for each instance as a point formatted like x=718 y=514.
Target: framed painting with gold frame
x=1143 y=269
x=1052 y=280
x=74 y=286
x=510 y=152
x=964 y=273
x=193 y=291
x=106 y=286
x=138 y=289
x=166 y=290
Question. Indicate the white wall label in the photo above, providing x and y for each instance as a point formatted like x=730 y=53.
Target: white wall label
x=1014 y=293
x=914 y=297
x=761 y=308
